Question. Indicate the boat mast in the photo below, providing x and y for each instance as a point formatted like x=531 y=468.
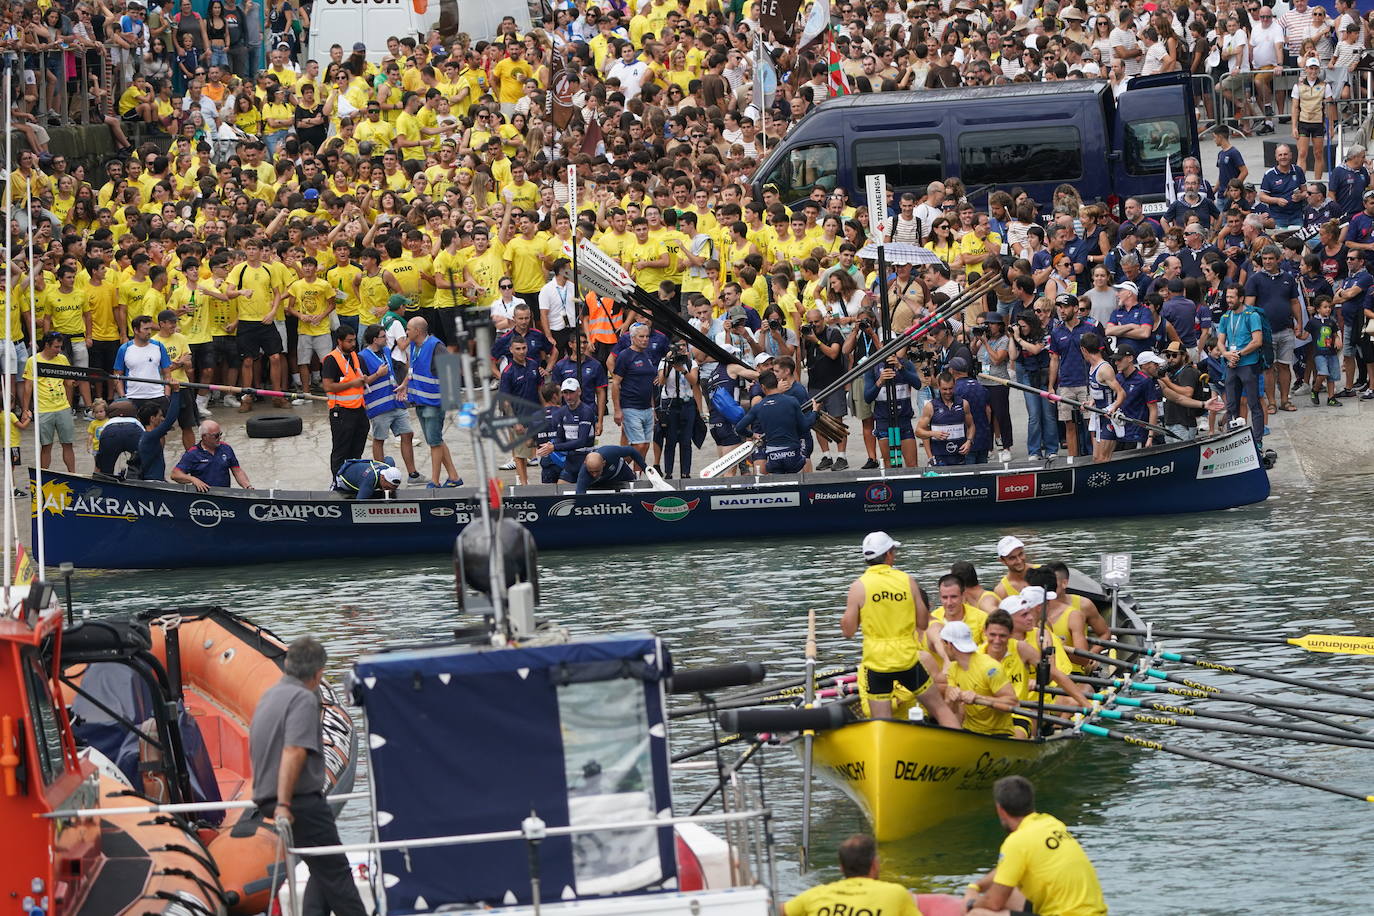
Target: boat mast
x=11 y=525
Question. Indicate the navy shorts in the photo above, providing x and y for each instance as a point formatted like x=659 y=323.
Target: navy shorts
x=784 y=461
x=880 y=428
x=723 y=431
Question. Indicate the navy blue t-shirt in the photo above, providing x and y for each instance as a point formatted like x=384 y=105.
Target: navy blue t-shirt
x=1229 y=162
x=1348 y=187
x=590 y=374
x=1273 y=294
x=214 y=468
x=637 y=371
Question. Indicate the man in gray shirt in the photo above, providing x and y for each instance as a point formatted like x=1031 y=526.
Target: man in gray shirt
x=286 y=744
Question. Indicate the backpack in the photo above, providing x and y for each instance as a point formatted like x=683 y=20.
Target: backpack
x=729 y=409
x=1266 y=350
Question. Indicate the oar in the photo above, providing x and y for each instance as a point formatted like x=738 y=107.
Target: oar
x=1198 y=662
x=790 y=694
x=1152 y=718
x=1099 y=731
x=1119 y=699
x=808 y=738
x=1204 y=692
x=1312 y=642
x=83 y=374
x=791 y=684
x=729 y=460
x=707 y=748
x=1079 y=405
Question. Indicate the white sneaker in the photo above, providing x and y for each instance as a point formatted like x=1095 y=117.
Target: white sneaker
x=508 y=466
x=230 y=401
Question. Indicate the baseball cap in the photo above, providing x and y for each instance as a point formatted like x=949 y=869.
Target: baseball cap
x=1128 y=286
x=1036 y=596
x=1150 y=356
x=736 y=313
x=570 y=384
x=311 y=194
x=1313 y=62
x=878 y=543
x=1090 y=68
x=1068 y=299
x=1174 y=347
x=397 y=302
x=958 y=635
x=359 y=46
x=1008 y=544
x=391 y=476
x=1013 y=604
x=761 y=358
x=958 y=364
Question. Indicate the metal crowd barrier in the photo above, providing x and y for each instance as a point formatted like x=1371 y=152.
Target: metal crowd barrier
x=59 y=84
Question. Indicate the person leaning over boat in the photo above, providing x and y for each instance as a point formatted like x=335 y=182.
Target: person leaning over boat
x=887 y=603
x=364 y=478
x=1040 y=865
x=977 y=689
x=607 y=466
x=210 y=462
x=286 y=746
x=858 y=892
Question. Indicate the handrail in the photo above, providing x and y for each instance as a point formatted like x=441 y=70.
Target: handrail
x=180 y=808
x=502 y=836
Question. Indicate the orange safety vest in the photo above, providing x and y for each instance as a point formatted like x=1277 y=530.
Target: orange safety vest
x=600 y=325
x=351 y=371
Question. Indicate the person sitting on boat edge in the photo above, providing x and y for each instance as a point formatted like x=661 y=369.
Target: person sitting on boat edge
x=977 y=689
x=888 y=604
x=364 y=478
x=607 y=466
x=782 y=423
x=859 y=891
x=157 y=422
x=286 y=746
x=1040 y=865
x=210 y=461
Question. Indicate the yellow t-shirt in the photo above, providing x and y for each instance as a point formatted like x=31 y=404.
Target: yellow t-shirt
x=65 y=310
x=487 y=269
x=524 y=195
x=195 y=324
x=974 y=250
x=1043 y=860
x=341 y=278
x=408 y=127
x=313 y=297
x=646 y=278
x=133 y=295
x=176 y=346
x=510 y=76
x=985 y=677
x=854 y=895
x=373 y=294
x=526 y=269
x=407 y=274
x=380 y=133
x=103 y=299
x=222 y=312
x=52 y=392
x=257 y=282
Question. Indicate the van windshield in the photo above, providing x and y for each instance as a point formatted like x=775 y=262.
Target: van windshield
x=1150 y=141
x=1023 y=156
x=803 y=168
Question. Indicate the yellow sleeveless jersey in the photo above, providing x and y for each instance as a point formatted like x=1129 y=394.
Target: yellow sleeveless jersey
x=975 y=617
x=888 y=618
x=1013 y=666
x=1060 y=628
x=1012 y=589
x=984 y=676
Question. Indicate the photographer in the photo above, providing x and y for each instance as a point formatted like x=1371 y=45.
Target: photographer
x=679 y=407
x=734 y=331
x=1029 y=352
x=823 y=351
x=991 y=345
x=858 y=346
x=773 y=336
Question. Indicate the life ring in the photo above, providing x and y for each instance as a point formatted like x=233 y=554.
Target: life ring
x=274 y=426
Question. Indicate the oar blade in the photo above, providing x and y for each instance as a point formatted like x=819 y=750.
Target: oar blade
x=1336 y=645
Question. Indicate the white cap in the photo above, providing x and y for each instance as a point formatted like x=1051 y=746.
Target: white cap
x=1128 y=286
x=877 y=544
x=1313 y=62
x=391 y=476
x=1090 y=68
x=570 y=384
x=1008 y=544
x=1013 y=603
x=1150 y=356
x=761 y=358
x=958 y=635
x=1036 y=596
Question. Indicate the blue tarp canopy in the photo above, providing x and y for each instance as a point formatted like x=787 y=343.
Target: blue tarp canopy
x=467 y=741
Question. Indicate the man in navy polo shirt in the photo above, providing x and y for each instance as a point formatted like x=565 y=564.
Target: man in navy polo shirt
x=1352 y=295
x=1275 y=293
x=1320 y=209
x=1359 y=235
x=1189 y=319
x=1131 y=324
x=1282 y=190
x=210 y=462
x=1068 y=370
x=1349 y=181
x=1141 y=399
x=632 y=390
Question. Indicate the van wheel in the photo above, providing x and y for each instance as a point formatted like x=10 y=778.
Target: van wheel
x=274 y=426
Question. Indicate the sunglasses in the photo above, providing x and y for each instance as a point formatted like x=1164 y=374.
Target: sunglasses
x=507 y=286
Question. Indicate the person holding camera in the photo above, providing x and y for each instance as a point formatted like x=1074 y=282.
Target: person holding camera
x=773 y=336
x=1029 y=351
x=991 y=346
x=823 y=351
x=858 y=346
x=888 y=388
x=679 y=407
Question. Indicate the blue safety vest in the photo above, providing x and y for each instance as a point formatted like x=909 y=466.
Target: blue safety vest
x=424 y=384
x=380 y=396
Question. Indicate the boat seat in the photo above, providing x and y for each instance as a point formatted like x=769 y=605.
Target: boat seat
x=101 y=640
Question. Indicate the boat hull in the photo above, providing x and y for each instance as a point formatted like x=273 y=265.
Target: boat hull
x=109 y=524
x=909 y=776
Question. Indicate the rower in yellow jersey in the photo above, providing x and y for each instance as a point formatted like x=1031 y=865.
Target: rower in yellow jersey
x=1040 y=864
x=978 y=691
x=1011 y=550
x=1091 y=616
x=859 y=891
x=887 y=603
x=951 y=609
x=1010 y=638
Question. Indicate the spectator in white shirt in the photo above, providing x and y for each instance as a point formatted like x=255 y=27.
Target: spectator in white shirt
x=1266 y=54
x=1124 y=46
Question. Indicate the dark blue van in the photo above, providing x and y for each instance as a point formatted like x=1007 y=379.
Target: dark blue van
x=1033 y=135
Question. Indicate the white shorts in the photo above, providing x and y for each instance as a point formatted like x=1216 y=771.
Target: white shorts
x=312 y=344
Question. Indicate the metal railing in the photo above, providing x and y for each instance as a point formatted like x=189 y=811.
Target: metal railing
x=60 y=86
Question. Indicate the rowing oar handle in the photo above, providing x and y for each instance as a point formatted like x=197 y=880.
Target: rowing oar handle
x=811 y=634
x=1078 y=405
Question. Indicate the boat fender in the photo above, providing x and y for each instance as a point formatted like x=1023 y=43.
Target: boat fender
x=699 y=680
x=763 y=719
x=274 y=426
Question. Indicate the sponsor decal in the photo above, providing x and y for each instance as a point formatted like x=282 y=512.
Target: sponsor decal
x=852 y=771
x=440 y=511
x=385 y=513
x=756 y=501
x=945 y=493
x=1053 y=483
x=670 y=508
x=58 y=499
x=913 y=771
x=821 y=496
x=294 y=512
x=1230 y=458
x=207 y=514
x=878 y=493
x=566 y=508
x=1015 y=486
x=1099 y=479
x=1152 y=470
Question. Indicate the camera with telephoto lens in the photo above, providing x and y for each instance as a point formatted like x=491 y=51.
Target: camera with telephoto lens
x=865 y=324
x=678 y=355
x=775 y=324
x=979 y=330
x=807 y=329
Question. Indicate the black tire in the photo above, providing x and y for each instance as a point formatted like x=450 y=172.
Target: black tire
x=274 y=426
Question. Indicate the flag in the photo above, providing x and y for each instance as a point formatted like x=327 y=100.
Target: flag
x=817 y=21
x=1170 y=195
x=838 y=82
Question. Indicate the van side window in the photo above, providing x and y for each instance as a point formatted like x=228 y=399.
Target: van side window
x=1021 y=156
x=908 y=162
x=1150 y=142
x=802 y=169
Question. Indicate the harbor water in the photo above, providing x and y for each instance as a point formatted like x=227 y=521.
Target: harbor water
x=1167 y=834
